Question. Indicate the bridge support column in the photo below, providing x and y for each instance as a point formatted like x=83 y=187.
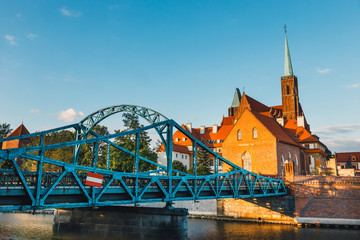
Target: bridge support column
x=118 y=222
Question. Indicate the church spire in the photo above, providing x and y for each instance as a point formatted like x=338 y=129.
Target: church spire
x=236 y=99
x=288 y=71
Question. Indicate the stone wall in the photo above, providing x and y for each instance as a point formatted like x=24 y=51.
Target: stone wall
x=270 y=209
x=327 y=197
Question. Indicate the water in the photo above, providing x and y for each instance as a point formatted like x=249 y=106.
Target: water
x=27 y=226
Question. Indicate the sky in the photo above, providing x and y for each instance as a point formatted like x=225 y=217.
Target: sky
x=62 y=60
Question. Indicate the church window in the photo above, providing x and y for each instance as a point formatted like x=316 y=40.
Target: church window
x=282 y=166
x=239 y=135
x=255 y=133
x=296 y=163
x=246 y=161
x=287 y=89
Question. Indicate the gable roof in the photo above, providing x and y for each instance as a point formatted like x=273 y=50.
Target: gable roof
x=276 y=129
x=255 y=105
x=21 y=130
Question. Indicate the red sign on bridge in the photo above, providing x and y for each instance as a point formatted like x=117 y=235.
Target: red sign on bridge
x=93 y=179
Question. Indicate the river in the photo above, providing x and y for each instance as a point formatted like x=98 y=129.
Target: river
x=39 y=226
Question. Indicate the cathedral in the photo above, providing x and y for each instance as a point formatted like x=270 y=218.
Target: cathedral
x=261 y=138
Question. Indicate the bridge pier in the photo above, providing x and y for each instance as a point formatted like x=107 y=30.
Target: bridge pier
x=119 y=222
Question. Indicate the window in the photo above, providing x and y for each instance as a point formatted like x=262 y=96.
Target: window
x=185 y=156
x=287 y=89
x=296 y=163
x=176 y=155
x=282 y=166
x=176 y=139
x=184 y=139
x=246 y=161
x=255 y=135
x=219 y=150
x=239 y=135
x=353 y=158
x=182 y=156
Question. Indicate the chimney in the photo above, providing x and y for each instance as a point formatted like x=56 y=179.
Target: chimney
x=215 y=128
x=202 y=129
x=301 y=121
x=189 y=127
x=280 y=121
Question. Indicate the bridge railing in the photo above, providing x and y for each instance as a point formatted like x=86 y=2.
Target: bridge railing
x=23 y=190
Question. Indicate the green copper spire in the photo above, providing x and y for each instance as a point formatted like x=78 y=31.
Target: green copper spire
x=288 y=71
x=237 y=97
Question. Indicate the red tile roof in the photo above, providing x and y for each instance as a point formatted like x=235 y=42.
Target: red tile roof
x=176 y=148
x=21 y=130
x=276 y=129
x=303 y=134
x=344 y=156
x=228 y=120
x=256 y=105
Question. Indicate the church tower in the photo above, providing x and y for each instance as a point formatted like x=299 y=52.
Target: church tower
x=235 y=103
x=289 y=88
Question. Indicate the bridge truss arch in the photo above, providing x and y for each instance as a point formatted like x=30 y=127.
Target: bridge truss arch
x=24 y=190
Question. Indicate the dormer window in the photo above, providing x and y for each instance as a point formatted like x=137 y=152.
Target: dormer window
x=184 y=139
x=176 y=139
x=353 y=158
x=254 y=132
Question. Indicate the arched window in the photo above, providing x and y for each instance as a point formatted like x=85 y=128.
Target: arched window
x=246 y=161
x=255 y=135
x=287 y=89
x=239 y=135
x=296 y=164
x=282 y=166
x=289 y=156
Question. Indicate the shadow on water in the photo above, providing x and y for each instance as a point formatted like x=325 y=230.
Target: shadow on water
x=27 y=226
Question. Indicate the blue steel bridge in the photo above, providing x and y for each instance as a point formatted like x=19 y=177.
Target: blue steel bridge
x=23 y=190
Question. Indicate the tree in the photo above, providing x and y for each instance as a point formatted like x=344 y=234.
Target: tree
x=177 y=165
x=124 y=162
x=4 y=131
x=203 y=162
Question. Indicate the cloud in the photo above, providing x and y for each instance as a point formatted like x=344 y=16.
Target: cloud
x=11 y=39
x=69 y=12
x=323 y=71
x=355 y=85
x=69 y=115
x=337 y=129
x=343 y=144
x=34 y=110
x=32 y=36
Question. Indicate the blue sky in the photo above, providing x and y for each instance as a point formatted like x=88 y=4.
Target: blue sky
x=62 y=60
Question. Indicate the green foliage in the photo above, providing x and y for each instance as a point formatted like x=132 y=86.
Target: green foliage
x=121 y=161
x=4 y=131
x=177 y=165
x=203 y=162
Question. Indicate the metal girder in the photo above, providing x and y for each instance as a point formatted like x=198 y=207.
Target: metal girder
x=22 y=190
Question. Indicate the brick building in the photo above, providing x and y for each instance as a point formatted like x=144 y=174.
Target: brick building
x=348 y=160
x=262 y=138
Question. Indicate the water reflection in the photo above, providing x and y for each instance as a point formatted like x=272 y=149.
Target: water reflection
x=208 y=229
x=28 y=226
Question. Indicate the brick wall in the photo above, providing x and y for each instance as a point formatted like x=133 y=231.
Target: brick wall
x=327 y=197
x=262 y=149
